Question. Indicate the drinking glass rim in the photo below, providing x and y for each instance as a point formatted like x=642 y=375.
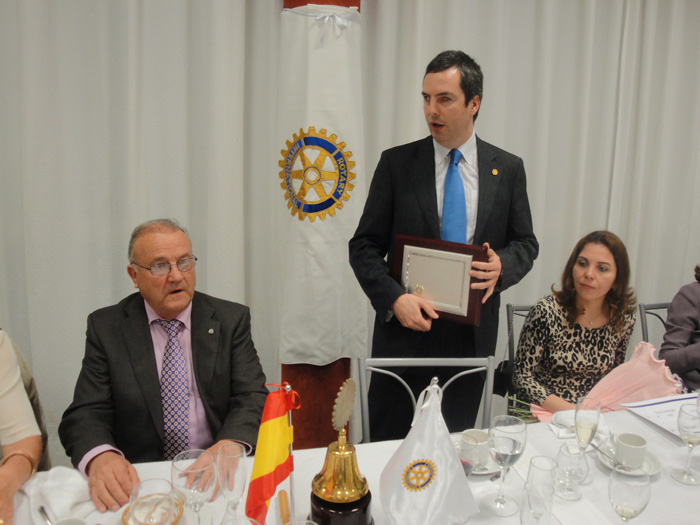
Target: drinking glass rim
x=244 y=451
x=201 y=452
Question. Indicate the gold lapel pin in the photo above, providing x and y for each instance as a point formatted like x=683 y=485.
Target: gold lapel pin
x=494 y=171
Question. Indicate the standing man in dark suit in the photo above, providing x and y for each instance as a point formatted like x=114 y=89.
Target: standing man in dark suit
x=407 y=197
x=165 y=370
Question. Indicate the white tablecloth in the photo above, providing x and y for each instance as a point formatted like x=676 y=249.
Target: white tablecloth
x=671 y=502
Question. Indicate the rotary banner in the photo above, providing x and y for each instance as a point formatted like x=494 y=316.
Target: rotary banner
x=323 y=311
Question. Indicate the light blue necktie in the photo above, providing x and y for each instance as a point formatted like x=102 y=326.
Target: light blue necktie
x=174 y=393
x=454 y=207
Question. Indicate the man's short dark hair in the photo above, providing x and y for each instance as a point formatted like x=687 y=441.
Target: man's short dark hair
x=472 y=80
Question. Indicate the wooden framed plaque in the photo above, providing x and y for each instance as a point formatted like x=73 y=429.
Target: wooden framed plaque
x=439 y=272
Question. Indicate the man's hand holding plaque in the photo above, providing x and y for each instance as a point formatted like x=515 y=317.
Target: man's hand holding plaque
x=488 y=272
x=414 y=312
x=442 y=279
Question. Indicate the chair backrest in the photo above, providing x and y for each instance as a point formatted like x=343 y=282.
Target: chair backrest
x=651 y=309
x=472 y=364
x=513 y=311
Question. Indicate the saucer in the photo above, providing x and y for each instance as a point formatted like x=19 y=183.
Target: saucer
x=651 y=464
x=490 y=468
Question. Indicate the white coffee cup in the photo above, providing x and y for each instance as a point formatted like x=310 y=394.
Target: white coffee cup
x=482 y=456
x=630 y=449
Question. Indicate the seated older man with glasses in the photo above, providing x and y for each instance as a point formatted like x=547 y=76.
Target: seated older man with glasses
x=165 y=370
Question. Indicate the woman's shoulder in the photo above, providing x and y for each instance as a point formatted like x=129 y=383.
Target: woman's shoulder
x=547 y=307
x=548 y=303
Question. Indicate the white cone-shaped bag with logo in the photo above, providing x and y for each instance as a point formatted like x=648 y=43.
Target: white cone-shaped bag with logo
x=423 y=482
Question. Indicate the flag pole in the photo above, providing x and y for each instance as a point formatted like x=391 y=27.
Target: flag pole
x=288 y=390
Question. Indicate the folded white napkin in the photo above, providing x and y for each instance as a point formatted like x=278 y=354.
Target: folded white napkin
x=62 y=491
x=562 y=425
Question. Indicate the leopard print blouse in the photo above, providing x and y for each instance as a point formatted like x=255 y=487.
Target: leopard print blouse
x=556 y=358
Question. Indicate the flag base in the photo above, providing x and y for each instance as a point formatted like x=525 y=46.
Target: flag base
x=354 y=513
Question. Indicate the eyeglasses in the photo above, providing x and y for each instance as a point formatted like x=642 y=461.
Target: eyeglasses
x=163 y=269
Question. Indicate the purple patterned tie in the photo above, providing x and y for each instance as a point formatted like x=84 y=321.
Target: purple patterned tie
x=174 y=393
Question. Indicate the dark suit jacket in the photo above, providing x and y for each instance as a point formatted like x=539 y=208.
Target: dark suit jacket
x=117 y=396
x=402 y=200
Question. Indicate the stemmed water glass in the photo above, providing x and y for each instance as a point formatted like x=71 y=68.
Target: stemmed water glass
x=507 y=440
x=689 y=429
x=151 y=502
x=572 y=469
x=230 y=464
x=194 y=478
x=629 y=490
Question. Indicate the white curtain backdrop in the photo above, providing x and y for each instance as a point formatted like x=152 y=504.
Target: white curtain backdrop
x=116 y=112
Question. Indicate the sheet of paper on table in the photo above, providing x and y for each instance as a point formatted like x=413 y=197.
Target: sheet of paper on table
x=663 y=411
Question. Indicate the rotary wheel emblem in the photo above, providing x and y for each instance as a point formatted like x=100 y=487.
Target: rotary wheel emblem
x=418 y=475
x=315 y=174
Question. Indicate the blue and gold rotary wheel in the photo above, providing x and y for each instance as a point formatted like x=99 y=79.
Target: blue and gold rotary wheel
x=315 y=174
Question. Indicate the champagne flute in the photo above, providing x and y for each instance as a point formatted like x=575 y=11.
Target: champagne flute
x=536 y=507
x=151 y=502
x=629 y=490
x=194 y=478
x=230 y=464
x=542 y=470
x=507 y=440
x=586 y=421
x=572 y=469
x=689 y=429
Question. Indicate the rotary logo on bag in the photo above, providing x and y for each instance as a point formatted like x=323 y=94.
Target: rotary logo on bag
x=418 y=475
x=315 y=174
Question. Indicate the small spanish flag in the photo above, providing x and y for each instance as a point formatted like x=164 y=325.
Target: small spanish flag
x=273 y=461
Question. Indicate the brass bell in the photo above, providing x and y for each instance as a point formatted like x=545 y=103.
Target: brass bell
x=340 y=480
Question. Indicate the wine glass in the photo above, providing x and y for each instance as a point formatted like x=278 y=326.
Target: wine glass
x=467 y=451
x=689 y=429
x=230 y=464
x=151 y=502
x=629 y=490
x=572 y=469
x=194 y=478
x=507 y=439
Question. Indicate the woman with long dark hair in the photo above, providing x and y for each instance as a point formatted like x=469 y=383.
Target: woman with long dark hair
x=574 y=337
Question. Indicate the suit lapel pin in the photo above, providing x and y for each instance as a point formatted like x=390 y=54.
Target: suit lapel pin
x=494 y=171
x=211 y=330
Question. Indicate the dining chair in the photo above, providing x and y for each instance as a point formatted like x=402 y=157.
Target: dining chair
x=647 y=309
x=512 y=312
x=378 y=365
